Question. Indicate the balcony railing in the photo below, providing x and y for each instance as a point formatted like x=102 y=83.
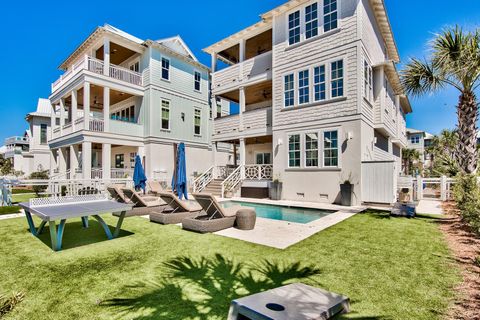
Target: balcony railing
x=97 y=66
x=256 y=68
x=97 y=125
x=255 y=122
x=17 y=140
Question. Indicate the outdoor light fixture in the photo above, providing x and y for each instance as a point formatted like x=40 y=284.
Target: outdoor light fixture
x=349 y=135
x=183 y=116
x=280 y=142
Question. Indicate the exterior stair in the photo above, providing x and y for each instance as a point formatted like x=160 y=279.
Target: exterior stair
x=214 y=187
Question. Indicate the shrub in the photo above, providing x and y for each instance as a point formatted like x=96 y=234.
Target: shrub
x=40 y=175
x=477 y=261
x=467 y=196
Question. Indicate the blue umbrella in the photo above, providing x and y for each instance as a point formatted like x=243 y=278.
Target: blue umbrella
x=139 y=178
x=179 y=180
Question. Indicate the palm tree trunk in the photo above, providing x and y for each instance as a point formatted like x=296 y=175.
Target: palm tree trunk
x=467 y=112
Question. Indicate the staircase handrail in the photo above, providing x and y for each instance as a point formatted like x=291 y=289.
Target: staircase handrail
x=232 y=181
x=200 y=183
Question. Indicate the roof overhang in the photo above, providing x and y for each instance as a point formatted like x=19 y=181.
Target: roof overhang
x=380 y=12
x=155 y=44
x=394 y=79
x=246 y=33
x=94 y=37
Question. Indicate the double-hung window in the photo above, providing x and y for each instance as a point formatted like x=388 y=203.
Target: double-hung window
x=330 y=148
x=311 y=150
x=319 y=83
x=311 y=21
x=330 y=15
x=197 y=122
x=294 y=27
x=303 y=87
x=368 y=82
x=294 y=151
x=43 y=133
x=165 y=115
x=165 y=69
x=197 y=79
x=337 y=78
x=289 y=90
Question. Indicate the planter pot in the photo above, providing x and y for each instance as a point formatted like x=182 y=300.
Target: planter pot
x=275 y=190
x=346 y=193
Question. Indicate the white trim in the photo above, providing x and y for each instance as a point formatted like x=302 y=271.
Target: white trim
x=169 y=68
x=288 y=149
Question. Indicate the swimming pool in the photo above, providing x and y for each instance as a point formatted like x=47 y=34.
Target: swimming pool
x=292 y=214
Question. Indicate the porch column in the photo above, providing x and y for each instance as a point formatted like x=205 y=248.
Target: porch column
x=214 y=62
x=241 y=109
x=87 y=160
x=74 y=108
x=242 y=50
x=86 y=105
x=53 y=161
x=242 y=158
x=53 y=123
x=62 y=115
x=106 y=109
x=62 y=161
x=73 y=159
x=106 y=56
x=214 y=154
x=106 y=160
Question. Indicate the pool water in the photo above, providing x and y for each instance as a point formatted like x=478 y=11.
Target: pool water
x=292 y=214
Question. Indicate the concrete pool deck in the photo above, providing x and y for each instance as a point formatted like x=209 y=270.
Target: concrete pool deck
x=283 y=234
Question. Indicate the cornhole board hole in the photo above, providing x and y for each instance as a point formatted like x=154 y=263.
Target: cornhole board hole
x=294 y=301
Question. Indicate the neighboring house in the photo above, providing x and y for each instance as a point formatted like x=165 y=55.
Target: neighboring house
x=30 y=152
x=420 y=141
x=320 y=100
x=121 y=96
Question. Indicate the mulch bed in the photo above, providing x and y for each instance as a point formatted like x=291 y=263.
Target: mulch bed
x=465 y=248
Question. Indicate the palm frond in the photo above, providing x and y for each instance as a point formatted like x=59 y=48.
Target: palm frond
x=419 y=78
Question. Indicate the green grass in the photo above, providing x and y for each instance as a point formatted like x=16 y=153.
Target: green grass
x=19 y=191
x=23 y=197
x=391 y=268
x=9 y=210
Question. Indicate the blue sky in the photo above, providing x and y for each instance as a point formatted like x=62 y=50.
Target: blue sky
x=38 y=35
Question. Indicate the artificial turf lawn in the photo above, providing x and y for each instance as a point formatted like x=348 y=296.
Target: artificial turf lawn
x=391 y=268
x=9 y=210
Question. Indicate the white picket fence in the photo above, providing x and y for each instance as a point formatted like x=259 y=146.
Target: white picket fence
x=421 y=188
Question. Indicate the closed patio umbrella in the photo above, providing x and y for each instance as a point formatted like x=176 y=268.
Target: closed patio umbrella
x=179 y=180
x=139 y=178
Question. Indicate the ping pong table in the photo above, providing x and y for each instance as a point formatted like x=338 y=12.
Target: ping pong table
x=51 y=210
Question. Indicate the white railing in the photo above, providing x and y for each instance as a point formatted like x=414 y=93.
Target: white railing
x=231 y=183
x=258 y=65
x=440 y=188
x=96 y=125
x=96 y=173
x=121 y=173
x=200 y=183
x=17 y=140
x=61 y=176
x=258 y=172
x=94 y=65
x=126 y=75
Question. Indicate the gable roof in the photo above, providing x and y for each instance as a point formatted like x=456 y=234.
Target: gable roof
x=177 y=44
x=44 y=109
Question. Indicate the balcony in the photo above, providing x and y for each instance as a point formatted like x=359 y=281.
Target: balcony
x=17 y=140
x=255 y=123
x=253 y=70
x=97 y=66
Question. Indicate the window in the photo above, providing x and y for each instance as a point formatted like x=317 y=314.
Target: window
x=415 y=139
x=311 y=21
x=197 y=121
x=289 y=90
x=294 y=27
x=132 y=160
x=368 y=82
x=303 y=87
x=319 y=83
x=135 y=66
x=311 y=150
x=119 y=161
x=197 y=78
x=330 y=148
x=165 y=115
x=263 y=158
x=125 y=115
x=165 y=69
x=43 y=133
x=294 y=151
x=337 y=79
x=330 y=15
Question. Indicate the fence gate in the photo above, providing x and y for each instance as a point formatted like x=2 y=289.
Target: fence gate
x=379 y=181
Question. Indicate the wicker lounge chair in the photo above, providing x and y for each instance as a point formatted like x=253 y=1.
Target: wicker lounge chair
x=216 y=217
x=155 y=187
x=142 y=205
x=178 y=210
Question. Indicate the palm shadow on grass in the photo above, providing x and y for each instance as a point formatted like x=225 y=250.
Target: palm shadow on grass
x=76 y=236
x=202 y=288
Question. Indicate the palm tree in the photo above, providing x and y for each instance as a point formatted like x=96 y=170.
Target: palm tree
x=455 y=62
x=409 y=156
x=443 y=153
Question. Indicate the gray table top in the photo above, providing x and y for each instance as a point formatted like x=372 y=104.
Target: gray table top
x=76 y=210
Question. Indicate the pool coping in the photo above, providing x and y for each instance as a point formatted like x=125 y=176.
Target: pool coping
x=282 y=234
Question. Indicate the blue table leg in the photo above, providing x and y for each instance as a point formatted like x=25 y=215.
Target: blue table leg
x=53 y=234
x=40 y=228
x=105 y=226
x=119 y=224
x=31 y=224
x=61 y=228
x=85 y=222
